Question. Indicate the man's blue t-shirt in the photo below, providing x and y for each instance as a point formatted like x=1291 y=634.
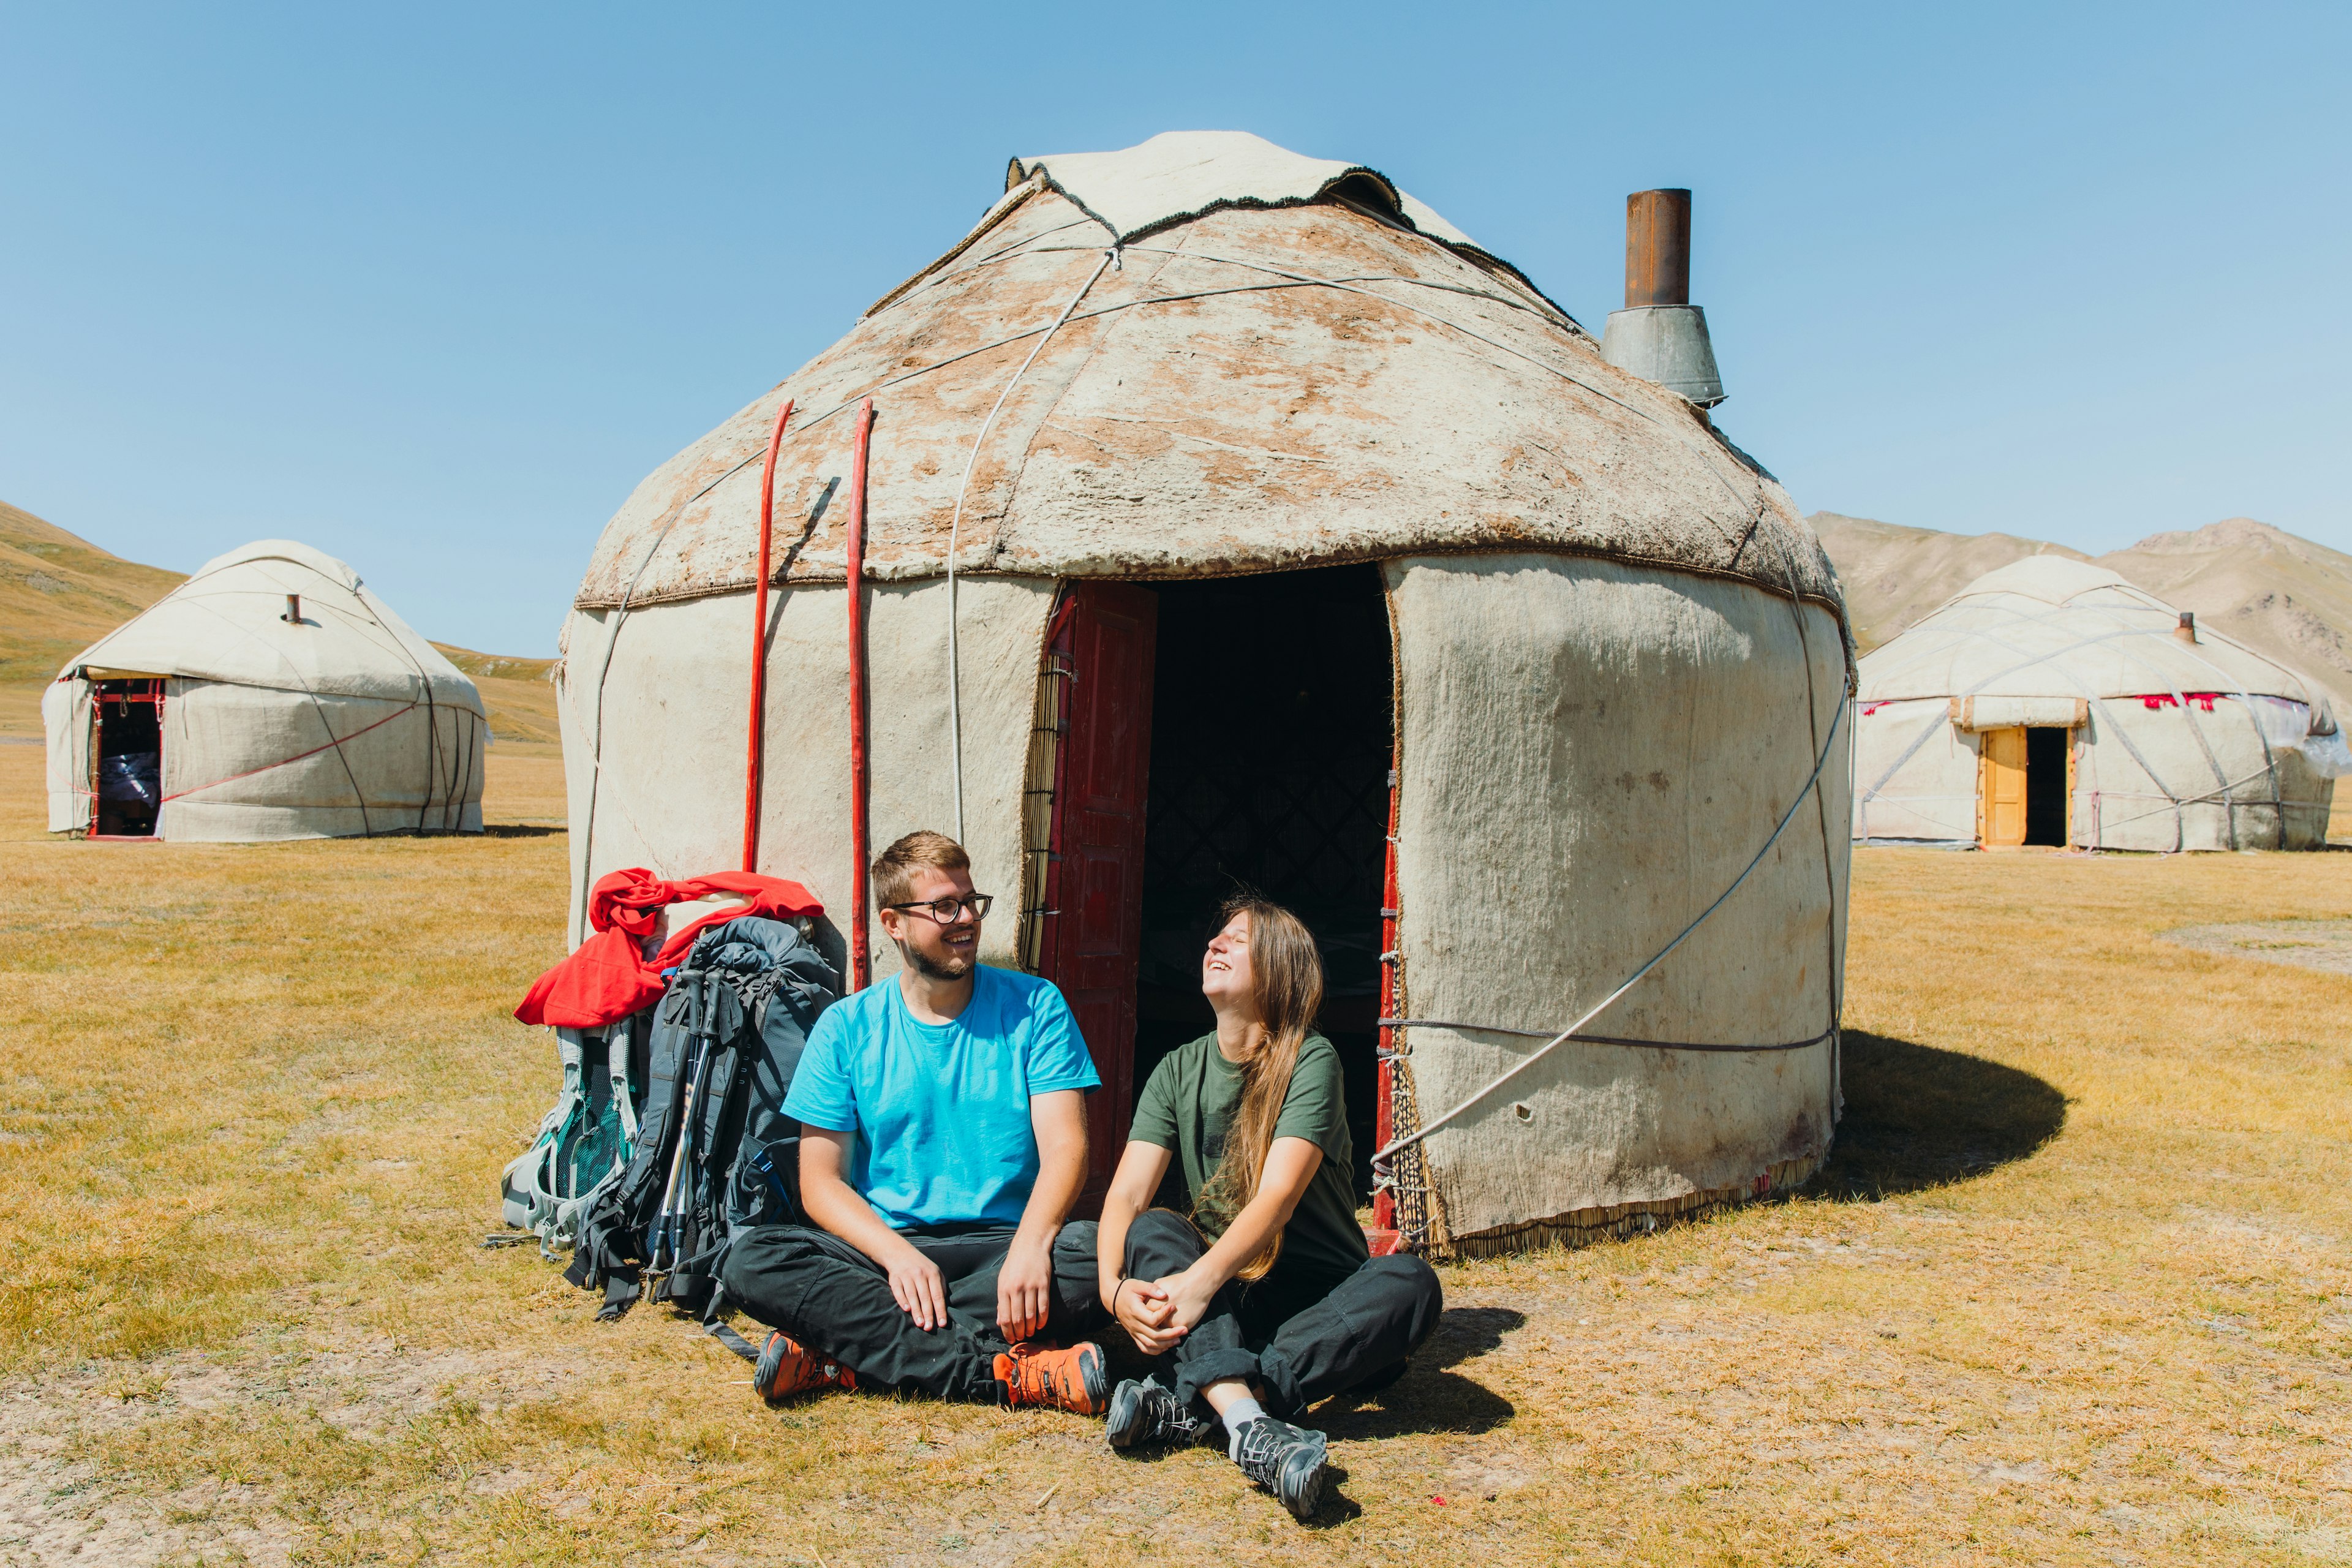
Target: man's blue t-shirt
x=941 y=1111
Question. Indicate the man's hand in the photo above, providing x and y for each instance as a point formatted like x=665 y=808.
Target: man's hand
x=1143 y=1310
x=1025 y=1286
x=918 y=1286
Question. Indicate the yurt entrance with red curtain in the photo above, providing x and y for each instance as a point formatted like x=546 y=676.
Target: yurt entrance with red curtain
x=1195 y=739
x=126 y=757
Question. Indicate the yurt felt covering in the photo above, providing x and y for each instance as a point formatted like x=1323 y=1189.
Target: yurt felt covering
x=1604 y=700
x=349 y=723
x=2179 y=744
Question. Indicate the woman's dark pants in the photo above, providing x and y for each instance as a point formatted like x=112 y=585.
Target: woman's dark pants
x=1299 y=1335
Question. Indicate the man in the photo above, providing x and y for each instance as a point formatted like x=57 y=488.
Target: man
x=943 y=1140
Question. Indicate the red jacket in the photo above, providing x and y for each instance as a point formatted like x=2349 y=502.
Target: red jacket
x=608 y=977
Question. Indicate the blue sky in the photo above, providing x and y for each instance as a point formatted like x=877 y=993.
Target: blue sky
x=434 y=287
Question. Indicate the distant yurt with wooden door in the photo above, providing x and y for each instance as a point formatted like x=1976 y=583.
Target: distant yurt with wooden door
x=2050 y=702
x=1220 y=517
x=269 y=696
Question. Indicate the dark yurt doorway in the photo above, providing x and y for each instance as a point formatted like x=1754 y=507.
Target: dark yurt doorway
x=1195 y=740
x=2046 y=784
x=1270 y=754
x=127 y=752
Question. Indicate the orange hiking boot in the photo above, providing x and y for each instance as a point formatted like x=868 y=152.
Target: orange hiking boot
x=1072 y=1380
x=785 y=1368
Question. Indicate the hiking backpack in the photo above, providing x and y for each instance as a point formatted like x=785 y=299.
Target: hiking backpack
x=585 y=1140
x=715 y=1153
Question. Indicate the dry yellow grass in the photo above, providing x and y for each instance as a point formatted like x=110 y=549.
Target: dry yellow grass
x=2074 y=1288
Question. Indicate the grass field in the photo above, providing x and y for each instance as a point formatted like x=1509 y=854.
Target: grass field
x=2074 y=1288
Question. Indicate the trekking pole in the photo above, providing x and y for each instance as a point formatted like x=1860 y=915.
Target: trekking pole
x=669 y=1226
x=660 y=1233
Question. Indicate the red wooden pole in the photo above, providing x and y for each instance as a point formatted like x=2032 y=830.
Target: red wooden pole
x=759 y=645
x=861 y=954
x=1383 y=1115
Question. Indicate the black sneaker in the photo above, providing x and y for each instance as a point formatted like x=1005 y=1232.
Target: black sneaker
x=1286 y=1460
x=1146 y=1413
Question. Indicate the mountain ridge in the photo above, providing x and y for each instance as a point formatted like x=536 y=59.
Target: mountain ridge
x=2287 y=597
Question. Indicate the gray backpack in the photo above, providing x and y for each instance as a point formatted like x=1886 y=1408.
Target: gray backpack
x=585 y=1140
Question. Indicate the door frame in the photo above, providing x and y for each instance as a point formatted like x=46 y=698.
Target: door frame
x=154 y=693
x=1066 y=686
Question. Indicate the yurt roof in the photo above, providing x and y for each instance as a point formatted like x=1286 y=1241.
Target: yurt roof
x=226 y=622
x=2046 y=626
x=1208 y=355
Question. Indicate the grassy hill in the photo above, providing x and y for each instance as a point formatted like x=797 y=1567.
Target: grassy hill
x=2283 y=596
x=59 y=593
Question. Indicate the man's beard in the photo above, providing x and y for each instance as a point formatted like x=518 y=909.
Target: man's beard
x=931 y=968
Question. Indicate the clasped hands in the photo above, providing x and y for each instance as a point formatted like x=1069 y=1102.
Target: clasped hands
x=1157 y=1313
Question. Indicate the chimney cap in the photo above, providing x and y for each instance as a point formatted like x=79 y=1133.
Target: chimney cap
x=1660 y=335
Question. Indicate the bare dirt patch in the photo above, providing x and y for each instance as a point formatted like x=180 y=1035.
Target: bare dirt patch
x=2320 y=944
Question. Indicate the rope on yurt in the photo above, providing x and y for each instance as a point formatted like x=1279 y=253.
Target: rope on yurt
x=605 y=669
x=367 y=827
x=1935 y=724
x=1380 y=1159
x=925 y=283
x=1606 y=1039
x=2245 y=700
x=334 y=743
x=432 y=714
x=955 y=522
x=758 y=723
x=1347 y=286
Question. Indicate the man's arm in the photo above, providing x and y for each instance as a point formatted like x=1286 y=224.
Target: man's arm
x=833 y=1203
x=1025 y=1285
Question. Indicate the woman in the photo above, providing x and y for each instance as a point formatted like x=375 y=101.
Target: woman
x=1265 y=1300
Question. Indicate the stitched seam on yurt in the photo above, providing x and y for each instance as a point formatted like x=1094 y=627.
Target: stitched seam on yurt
x=1391 y=551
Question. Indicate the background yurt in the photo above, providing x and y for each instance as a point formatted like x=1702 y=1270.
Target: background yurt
x=269 y=696
x=2050 y=702
x=1226 y=516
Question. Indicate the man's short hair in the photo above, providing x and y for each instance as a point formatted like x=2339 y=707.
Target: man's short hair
x=895 y=867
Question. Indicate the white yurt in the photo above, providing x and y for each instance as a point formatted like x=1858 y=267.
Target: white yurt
x=1224 y=518
x=269 y=696
x=2051 y=703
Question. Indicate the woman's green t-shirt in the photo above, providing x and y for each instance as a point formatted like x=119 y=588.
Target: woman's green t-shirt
x=1189 y=1102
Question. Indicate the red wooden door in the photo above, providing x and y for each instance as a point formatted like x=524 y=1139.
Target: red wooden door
x=1095 y=883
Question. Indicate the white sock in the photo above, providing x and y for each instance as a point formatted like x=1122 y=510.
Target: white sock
x=1235 y=1417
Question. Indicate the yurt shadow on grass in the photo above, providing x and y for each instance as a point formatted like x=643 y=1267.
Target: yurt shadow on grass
x=1918 y=1116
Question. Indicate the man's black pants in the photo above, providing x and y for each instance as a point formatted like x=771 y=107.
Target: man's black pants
x=836 y=1300
x=1299 y=1335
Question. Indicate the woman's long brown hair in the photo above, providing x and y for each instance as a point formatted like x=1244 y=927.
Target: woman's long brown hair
x=1286 y=982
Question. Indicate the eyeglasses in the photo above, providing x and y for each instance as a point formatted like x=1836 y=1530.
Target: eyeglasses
x=947 y=911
